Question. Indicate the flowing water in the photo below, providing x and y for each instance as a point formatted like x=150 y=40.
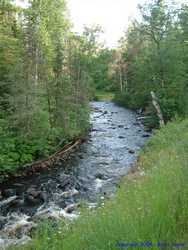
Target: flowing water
x=91 y=174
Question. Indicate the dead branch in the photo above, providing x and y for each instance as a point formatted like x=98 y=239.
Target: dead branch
x=158 y=109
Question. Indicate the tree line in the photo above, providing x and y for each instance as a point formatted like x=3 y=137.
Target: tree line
x=153 y=56
x=45 y=80
x=48 y=74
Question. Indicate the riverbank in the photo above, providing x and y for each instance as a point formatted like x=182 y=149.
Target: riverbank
x=103 y=96
x=43 y=164
x=91 y=174
x=150 y=206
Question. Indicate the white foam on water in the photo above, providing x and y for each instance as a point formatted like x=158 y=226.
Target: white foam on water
x=6 y=242
x=56 y=213
x=7 y=201
x=98 y=184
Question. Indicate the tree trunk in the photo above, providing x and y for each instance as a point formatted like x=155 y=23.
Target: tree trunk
x=158 y=109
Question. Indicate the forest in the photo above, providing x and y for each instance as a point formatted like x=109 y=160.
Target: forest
x=50 y=75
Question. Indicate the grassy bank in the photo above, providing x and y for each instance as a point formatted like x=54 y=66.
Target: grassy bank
x=103 y=96
x=150 y=206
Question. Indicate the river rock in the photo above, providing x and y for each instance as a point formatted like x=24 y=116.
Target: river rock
x=17 y=202
x=33 y=192
x=8 y=192
x=131 y=151
x=43 y=196
x=3 y=221
x=32 y=201
x=43 y=215
x=99 y=176
x=34 y=197
x=69 y=209
x=65 y=180
x=136 y=123
x=121 y=137
x=120 y=126
x=70 y=193
x=52 y=213
x=145 y=135
x=81 y=156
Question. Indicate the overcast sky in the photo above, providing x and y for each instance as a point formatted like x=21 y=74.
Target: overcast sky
x=112 y=15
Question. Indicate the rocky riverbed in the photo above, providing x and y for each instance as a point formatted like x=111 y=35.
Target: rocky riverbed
x=91 y=174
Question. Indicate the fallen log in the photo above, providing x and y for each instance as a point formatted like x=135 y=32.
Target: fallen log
x=158 y=109
x=53 y=159
x=37 y=166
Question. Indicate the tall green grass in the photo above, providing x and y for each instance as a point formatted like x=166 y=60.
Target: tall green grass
x=150 y=206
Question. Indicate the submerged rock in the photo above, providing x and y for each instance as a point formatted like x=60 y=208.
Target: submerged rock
x=146 y=135
x=34 y=197
x=100 y=176
x=69 y=209
x=136 y=124
x=121 y=137
x=33 y=192
x=8 y=192
x=18 y=225
x=131 y=151
x=32 y=200
x=70 y=193
x=18 y=202
x=65 y=180
x=55 y=212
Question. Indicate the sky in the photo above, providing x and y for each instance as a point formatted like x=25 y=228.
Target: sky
x=112 y=15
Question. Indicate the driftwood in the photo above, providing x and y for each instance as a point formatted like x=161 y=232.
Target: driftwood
x=158 y=109
x=53 y=159
x=37 y=166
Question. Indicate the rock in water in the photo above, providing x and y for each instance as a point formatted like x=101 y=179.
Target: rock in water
x=69 y=209
x=99 y=176
x=34 y=197
x=131 y=151
x=8 y=192
x=65 y=181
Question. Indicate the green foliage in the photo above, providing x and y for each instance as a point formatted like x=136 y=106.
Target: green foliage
x=154 y=59
x=103 y=96
x=45 y=81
